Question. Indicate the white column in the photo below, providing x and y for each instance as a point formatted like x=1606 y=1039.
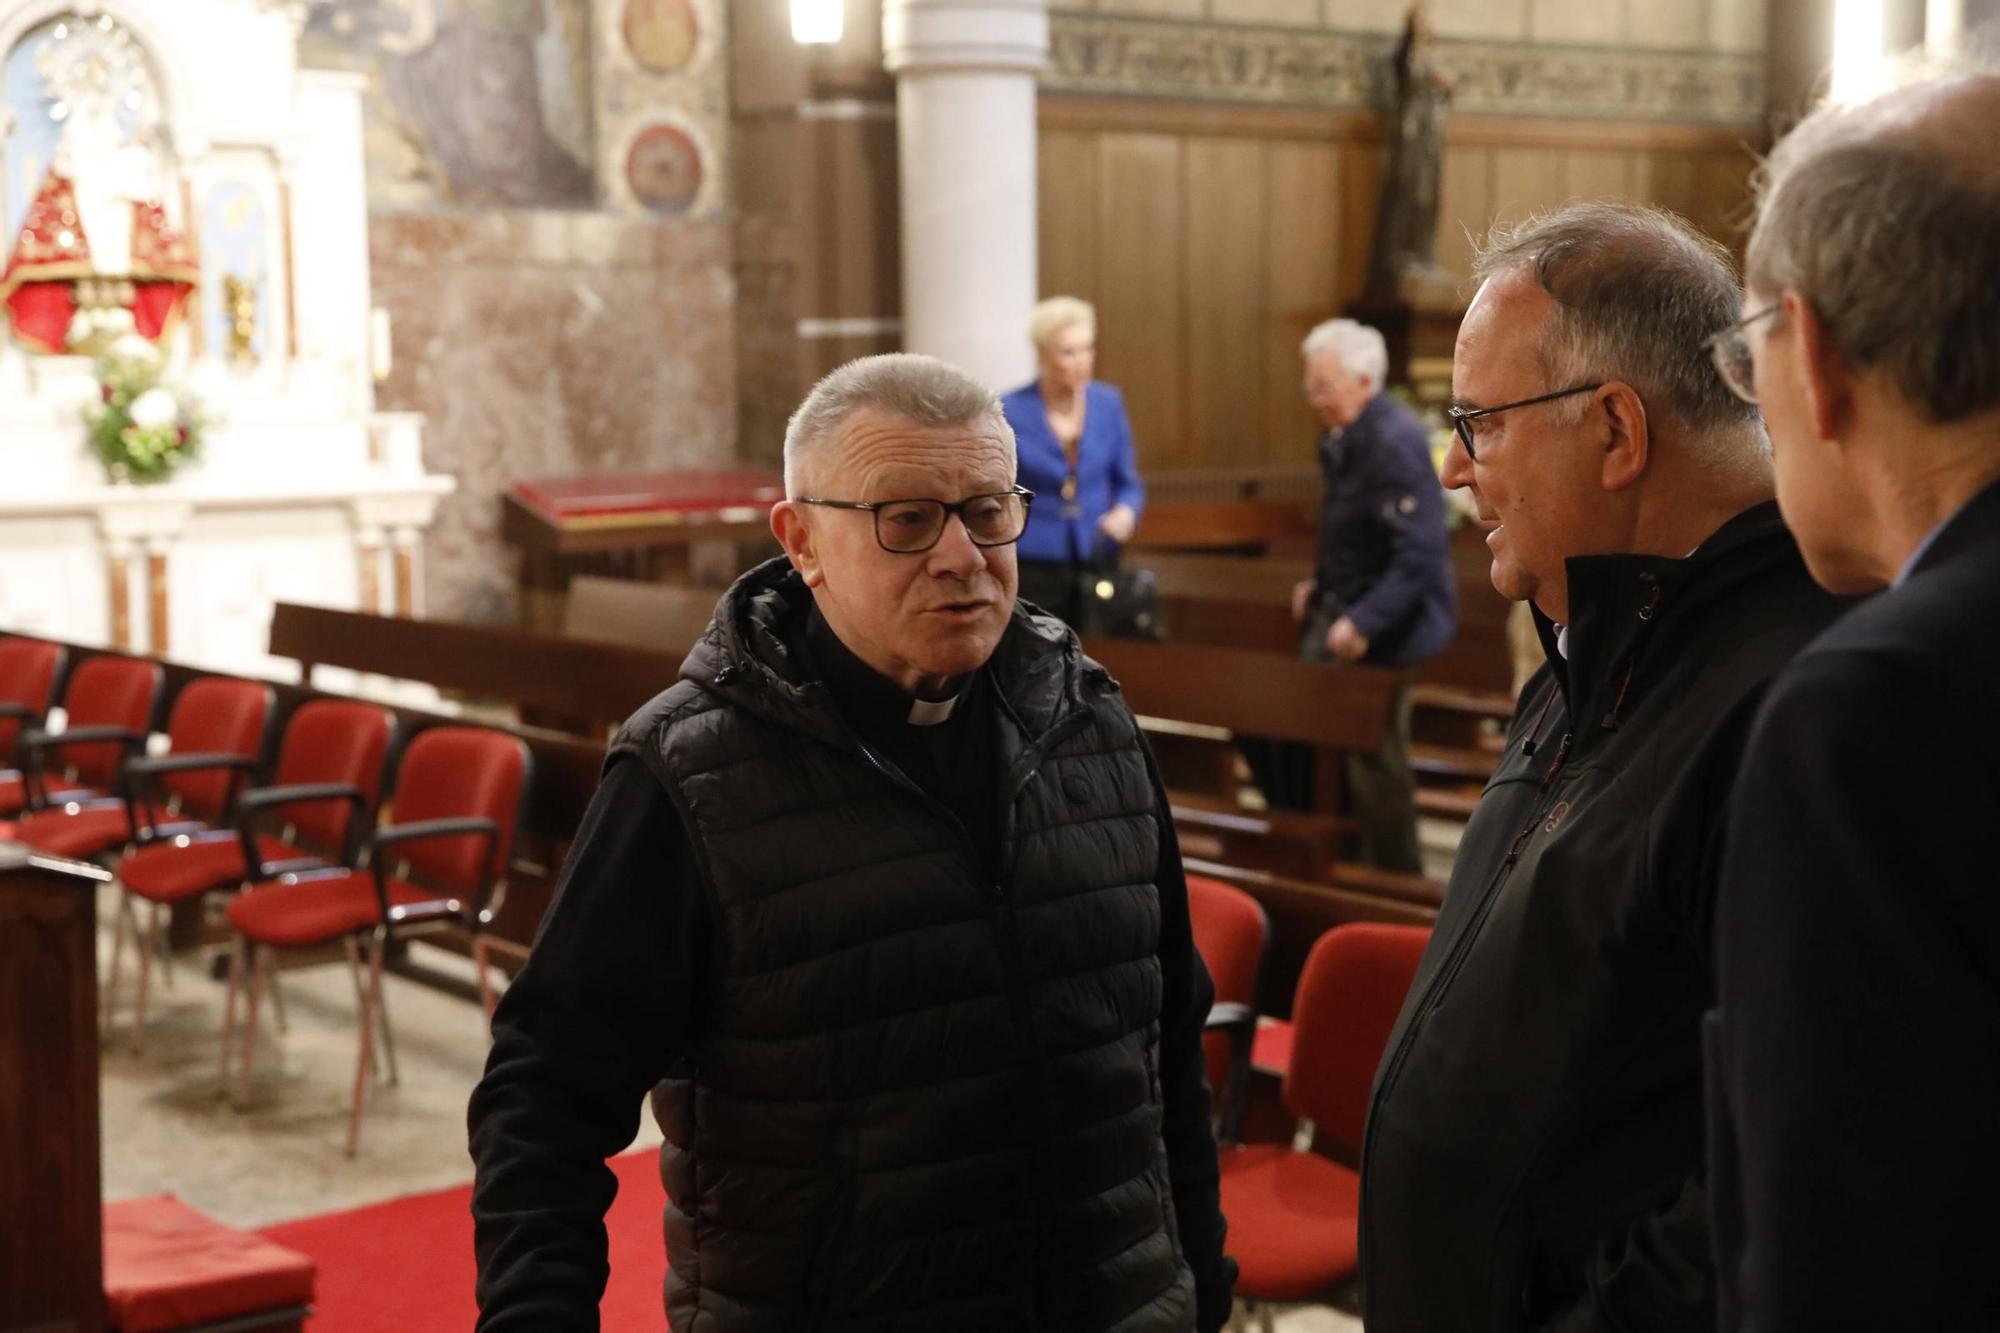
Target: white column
x=965 y=129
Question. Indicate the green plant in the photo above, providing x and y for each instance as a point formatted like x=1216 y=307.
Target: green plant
x=141 y=429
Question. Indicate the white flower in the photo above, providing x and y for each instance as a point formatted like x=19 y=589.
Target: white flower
x=132 y=347
x=155 y=407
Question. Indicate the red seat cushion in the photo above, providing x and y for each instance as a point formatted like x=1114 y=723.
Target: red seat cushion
x=316 y=911
x=1271 y=1048
x=167 y=872
x=14 y=793
x=166 y=1266
x=1293 y=1221
x=77 y=836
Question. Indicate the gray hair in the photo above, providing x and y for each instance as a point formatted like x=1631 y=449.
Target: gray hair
x=919 y=389
x=1637 y=291
x=1892 y=235
x=1051 y=316
x=1361 y=350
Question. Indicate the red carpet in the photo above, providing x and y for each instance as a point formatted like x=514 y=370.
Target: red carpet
x=406 y=1265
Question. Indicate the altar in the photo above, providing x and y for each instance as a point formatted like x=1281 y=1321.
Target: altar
x=179 y=196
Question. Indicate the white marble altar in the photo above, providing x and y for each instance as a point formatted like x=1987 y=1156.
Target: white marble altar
x=304 y=491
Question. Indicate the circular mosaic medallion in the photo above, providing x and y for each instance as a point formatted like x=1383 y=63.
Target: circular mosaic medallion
x=660 y=33
x=663 y=168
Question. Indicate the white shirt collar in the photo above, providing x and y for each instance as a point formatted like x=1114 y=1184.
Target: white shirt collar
x=930 y=712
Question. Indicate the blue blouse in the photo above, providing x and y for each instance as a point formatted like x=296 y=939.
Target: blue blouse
x=1106 y=473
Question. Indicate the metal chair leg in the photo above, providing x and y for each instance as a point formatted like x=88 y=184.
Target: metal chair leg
x=146 y=952
x=355 y=973
x=381 y=942
x=487 y=999
x=162 y=914
x=370 y=1006
x=229 y=1014
x=119 y=919
x=278 y=1001
x=260 y=969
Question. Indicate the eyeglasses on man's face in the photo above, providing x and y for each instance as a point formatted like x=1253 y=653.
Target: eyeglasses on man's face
x=911 y=527
x=1730 y=350
x=1462 y=418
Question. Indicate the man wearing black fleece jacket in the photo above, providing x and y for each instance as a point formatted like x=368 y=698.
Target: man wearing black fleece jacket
x=883 y=904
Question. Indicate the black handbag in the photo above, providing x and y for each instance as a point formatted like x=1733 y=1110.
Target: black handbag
x=1119 y=603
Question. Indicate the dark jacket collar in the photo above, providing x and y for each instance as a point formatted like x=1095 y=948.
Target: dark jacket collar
x=1976 y=524
x=754 y=656
x=1619 y=605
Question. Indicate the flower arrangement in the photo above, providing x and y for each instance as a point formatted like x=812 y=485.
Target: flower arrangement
x=140 y=428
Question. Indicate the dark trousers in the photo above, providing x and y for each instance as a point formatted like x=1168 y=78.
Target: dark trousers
x=1380 y=790
x=1053 y=586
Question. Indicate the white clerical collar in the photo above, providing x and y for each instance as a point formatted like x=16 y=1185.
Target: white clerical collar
x=930 y=712
x=1562 y=641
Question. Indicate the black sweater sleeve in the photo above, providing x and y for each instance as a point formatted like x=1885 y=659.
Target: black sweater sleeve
x=600 y=1011
x=1190 y=1137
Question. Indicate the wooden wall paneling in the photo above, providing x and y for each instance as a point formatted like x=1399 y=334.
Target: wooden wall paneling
x=853 y=234
x=1067 y=213
x=1223 y=184
x=1665 y=176
x=1465 y=205
x=1303 y=224
x=818 y=356
x=1599 y=174
x=1721 y=205
x=1141 y=305
x=1361 y=170
x=1528 y=179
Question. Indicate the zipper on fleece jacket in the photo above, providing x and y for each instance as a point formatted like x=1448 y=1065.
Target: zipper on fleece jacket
x=1439 y=984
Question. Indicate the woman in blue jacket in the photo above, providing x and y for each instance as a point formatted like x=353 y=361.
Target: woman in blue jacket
x=1076 y=456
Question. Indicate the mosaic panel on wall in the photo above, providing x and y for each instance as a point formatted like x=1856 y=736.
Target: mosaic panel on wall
x=470 y=101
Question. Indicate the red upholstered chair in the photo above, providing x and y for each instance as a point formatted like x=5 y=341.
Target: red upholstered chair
x=328 y=779
x=439 y=865
x=110 y=703
x=1230 y=932
x=28 y=671
x=215 y=734
x=1293 y=1216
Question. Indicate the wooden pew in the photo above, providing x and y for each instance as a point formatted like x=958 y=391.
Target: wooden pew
x=660 y=616
x=597 y=684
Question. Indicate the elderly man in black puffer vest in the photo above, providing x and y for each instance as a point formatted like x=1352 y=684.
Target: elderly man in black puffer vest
x=883 y=904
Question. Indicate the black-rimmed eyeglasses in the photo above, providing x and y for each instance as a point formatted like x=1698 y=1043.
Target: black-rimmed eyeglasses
x=911 y=527
x=1462 y=419
x=1730 y=350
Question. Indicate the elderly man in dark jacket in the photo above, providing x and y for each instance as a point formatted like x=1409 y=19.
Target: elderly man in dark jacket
x=883 y=903
x=1856 y=1048
x=1534 y=1150
x=1382 y=590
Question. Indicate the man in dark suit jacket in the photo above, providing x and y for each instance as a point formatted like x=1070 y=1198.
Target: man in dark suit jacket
x=1854 y=1056
x=1382 y=591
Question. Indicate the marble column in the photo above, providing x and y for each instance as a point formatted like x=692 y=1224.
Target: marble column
x=965 y=129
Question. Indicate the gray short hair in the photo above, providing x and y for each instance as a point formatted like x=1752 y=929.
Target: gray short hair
x=919 y=389
x=1637 y=290
x=1362 y=352
x=1893 y=238
x=1056 y=313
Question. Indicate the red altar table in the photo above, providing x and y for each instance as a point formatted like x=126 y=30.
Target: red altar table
x=634 y=525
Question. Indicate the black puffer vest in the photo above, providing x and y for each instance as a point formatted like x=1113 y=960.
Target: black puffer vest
x=921 y=1098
